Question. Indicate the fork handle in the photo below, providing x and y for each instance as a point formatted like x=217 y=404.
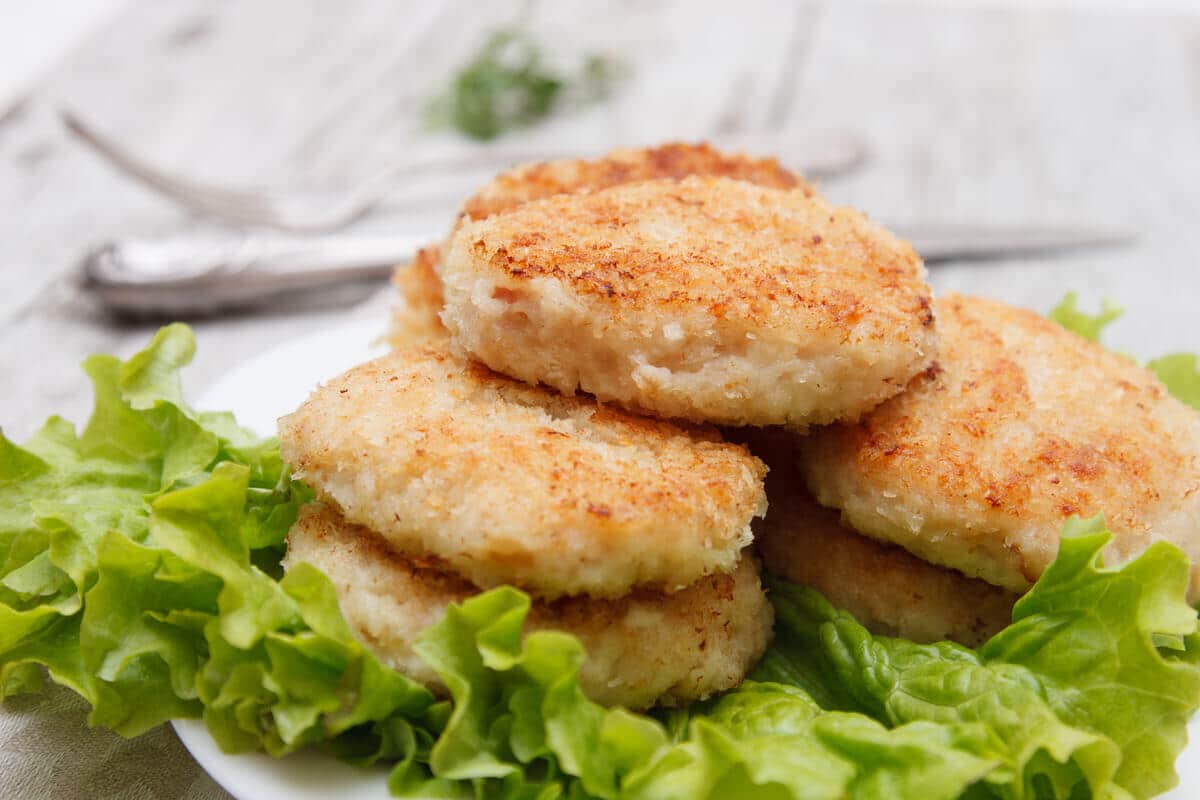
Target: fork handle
x=189 y=274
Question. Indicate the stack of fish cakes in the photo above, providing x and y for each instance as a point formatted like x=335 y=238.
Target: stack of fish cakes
x=707 y=299
x=958 y=488
x=545 y=421
x=612 y=501
x=437 y=478
x=418 y=317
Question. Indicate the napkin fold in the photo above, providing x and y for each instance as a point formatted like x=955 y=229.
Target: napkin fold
x=47 y=750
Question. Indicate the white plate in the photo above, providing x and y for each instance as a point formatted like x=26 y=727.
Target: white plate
x=259 y=392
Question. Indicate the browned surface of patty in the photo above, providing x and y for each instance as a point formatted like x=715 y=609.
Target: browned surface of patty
x=738 y=251
x=415 y=319
x=674 y=160
x=886 y=588
x=642 y=649
x=706 y=299
x=509 y=483
x=1020 y=425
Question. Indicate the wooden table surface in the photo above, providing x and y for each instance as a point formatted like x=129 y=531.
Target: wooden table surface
x=973 y=114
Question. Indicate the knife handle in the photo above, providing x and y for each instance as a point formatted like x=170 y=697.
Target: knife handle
x=205 y=273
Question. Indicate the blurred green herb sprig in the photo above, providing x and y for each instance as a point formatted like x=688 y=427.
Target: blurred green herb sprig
x=508 y=85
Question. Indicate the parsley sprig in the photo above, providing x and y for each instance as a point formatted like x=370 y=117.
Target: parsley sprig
x=509 y=85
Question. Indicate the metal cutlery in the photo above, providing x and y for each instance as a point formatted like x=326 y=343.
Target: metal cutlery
x=817 y=154
x=939 y=243
x=204 y=274
x=207 y=273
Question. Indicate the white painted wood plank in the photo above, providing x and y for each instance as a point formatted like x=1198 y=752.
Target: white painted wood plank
x=1037 y=116
x=975 y=114
x=286 y=92
x=36 y=36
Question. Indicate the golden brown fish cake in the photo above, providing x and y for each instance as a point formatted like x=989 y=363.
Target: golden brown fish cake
x=707 y=299
x=674 y=160
x=509 y=483
x=643 y=649
x=415 y=319
x=1020 y=426
x=886 y=588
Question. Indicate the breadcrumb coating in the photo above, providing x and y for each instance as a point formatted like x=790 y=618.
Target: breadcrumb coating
x=646 y=648
x=674 y=160
x=509 y=483
x=415 y=319
x=886 y=588
x=1019 y=426
x=706 y=299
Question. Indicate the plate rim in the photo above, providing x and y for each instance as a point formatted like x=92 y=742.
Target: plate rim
x=253 y=776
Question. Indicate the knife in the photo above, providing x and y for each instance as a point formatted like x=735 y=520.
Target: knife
x=206 y=274
x=942 y=243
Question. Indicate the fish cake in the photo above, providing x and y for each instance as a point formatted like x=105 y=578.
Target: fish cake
x=514 y=484
x=1020 y=426
x=643 y=649
x=706 y=299
x=674 y=160
x=416 y=318
x=887 y=589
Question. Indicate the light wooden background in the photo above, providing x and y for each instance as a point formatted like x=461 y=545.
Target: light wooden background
x=973 y=114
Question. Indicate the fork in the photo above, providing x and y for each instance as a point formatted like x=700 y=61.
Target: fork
x=815 y=154
x=292 y=212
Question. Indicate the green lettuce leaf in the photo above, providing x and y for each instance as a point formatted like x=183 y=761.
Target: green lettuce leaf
x=1087 y=693
x=773 y=740
x=1179 y=372
x=139 y=565
x=521 y=724
x=1092 y=684
x=1089 y=326
x=518 y=705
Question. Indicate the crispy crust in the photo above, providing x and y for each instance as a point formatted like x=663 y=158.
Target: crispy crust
x=740 y=252
x=674 y=160
x=703 y=299
x=415 y=319
x=1020 y=426
x=643 y=649
x=514 y=484
x=886 y=588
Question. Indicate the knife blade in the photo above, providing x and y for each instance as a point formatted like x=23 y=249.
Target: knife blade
x=941 y=243
x=205 y=274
